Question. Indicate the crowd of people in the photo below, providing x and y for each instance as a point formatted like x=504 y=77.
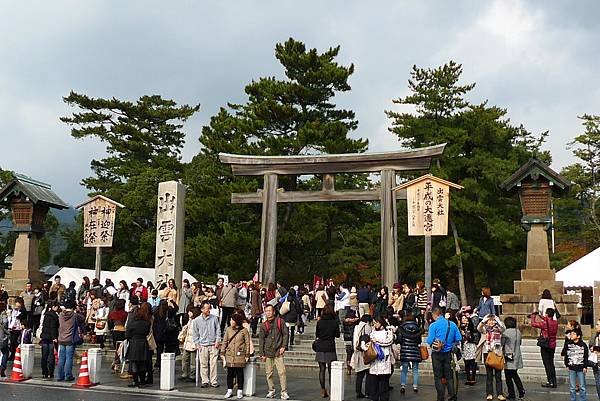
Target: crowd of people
x=383 y=330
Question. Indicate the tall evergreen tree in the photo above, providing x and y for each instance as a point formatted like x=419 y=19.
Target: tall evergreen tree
x=290 y=116
x=582 y=207
x=483 y=149
x=144 y=142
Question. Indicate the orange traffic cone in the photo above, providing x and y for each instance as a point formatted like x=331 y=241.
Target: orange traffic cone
x=17 y=369
x=83 y=381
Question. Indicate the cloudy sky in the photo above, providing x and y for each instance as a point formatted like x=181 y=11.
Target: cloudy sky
x=538 y=59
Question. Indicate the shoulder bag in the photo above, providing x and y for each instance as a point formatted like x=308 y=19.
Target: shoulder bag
x=542 y=341
x=494 y=361
x=370 y=354
x=424 y=352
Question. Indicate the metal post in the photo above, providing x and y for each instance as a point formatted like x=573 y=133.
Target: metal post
x=428 y=267
x=268 y=235
x=98 y=262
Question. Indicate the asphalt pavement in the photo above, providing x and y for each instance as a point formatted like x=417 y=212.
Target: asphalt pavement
x=302 y=386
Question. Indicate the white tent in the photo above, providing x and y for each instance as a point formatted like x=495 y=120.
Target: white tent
x=127 y=273
x=583 y=272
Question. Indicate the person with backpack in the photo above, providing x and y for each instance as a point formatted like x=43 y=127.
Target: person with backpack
x=443 y=335
x=70 y=329
x=272 y=338
x=206 y=332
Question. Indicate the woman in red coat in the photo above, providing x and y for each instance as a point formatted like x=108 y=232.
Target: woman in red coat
x=547 y=342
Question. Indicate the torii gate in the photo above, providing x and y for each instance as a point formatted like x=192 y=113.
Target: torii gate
x=270 y=167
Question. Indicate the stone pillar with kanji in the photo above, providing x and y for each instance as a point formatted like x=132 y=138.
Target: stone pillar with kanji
x=170 y=225
x=536 y=183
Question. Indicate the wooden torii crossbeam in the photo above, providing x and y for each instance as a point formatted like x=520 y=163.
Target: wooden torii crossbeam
x=270 y=167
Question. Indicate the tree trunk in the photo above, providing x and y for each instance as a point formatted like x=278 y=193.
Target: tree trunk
x=461 y=272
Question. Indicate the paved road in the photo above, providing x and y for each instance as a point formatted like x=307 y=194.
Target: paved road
x=50 y=391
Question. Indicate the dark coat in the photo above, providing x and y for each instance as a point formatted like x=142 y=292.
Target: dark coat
x=292 y=315
x=137 y=333
x=409 y=334
x=327 y=331
x=50 y=326
x=349 y=329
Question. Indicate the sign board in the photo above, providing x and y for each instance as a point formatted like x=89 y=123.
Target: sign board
x=428 y=201
x=99 y=221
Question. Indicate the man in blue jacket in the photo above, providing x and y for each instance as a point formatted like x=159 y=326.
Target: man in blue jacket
x=443 y=334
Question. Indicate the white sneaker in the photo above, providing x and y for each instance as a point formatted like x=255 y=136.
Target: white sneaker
x=271 y=394
x=229 y=393
x=284 y=395
x=240 y=394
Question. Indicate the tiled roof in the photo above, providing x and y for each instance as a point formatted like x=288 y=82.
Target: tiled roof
x=37 y=191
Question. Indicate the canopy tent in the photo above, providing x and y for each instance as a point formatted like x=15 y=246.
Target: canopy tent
x=127 y=273
x=583 y=272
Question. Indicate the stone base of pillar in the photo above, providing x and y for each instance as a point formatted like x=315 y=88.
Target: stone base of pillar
x=520 y=306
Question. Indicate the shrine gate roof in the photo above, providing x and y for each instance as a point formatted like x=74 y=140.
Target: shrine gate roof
x=413 y=159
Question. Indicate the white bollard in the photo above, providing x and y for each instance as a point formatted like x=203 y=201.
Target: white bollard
x=167 y=371
x=94 y=364
x=250 y=372
x=27 y=359
x=337 y=381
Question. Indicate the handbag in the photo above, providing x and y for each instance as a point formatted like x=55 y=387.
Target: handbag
x=544 y=342
x=592 y=361
x=151 y=341
x=370 y=354
x=556 y=312
x=285 y=308
x=396 y=350
x=424 y=352
x=100 y=324
x=494 y=361
x=456 y=351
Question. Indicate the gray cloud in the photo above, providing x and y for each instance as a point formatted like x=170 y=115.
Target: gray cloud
x=537 y=59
